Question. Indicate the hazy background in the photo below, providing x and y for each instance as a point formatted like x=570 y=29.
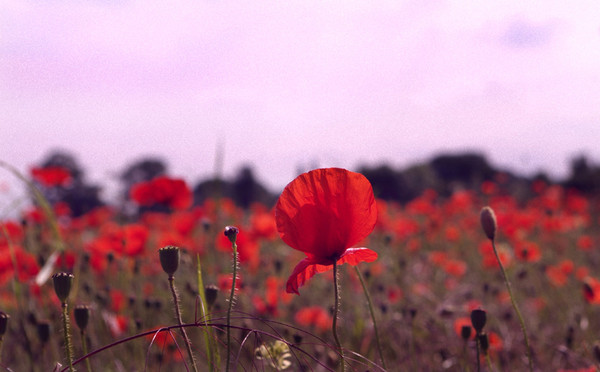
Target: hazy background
x=284 y=85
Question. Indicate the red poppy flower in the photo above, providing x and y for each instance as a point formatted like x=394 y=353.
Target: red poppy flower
x=323 y=213
x=162 y=190
x=51 y=176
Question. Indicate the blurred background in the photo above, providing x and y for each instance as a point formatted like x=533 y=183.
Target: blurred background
x=411 y=93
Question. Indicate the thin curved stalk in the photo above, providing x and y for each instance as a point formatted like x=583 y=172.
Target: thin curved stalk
x=368 y=296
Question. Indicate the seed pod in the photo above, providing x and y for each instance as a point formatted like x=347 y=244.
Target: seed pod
x=62 y=285
x=488 y=222
x=478 y=319
x=169 y=259
x=82 y=316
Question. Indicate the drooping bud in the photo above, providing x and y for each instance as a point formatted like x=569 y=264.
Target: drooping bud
x=82 y=316
x=62 y=285
x=169 y=259
x=478 y=319
x=231 y=232
x=488 y=222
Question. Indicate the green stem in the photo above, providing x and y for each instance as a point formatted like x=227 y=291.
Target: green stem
x=65 y=317
x=336 y=310
x=231 y=298
x=208 y=334
x=85 y=351
x=489 y=362
x=186 y=339
x=368 y=296
x=514 y=304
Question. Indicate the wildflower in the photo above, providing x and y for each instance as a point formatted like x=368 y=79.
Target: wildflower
x=323 y=213
x=51 y=176
x=276 y=353
x=171 y=192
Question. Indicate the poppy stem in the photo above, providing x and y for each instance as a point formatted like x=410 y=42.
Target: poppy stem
x=368 y=296
x=85 y=351
x=66 y=334
x=231 y=299
x=188 y=344
x=336 y=310
x=478 y=358
x=514 y=304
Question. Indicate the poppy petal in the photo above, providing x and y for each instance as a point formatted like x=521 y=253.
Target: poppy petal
x=325 y=211
x=310 y=266
x=354 y=256
x=305 y=270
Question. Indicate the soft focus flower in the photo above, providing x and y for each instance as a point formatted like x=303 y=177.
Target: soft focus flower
x=51 y=176
x=171 y=192
x=323 y=213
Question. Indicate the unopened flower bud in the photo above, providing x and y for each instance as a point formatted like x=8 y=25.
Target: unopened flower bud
x=478 y=319
x=488 y=222
x=231 y=232
x=62 y=285
x=169 y=259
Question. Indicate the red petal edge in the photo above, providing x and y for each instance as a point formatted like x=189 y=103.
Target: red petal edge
x=308 y=267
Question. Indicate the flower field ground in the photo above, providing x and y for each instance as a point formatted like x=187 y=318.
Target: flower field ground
x=434 y=266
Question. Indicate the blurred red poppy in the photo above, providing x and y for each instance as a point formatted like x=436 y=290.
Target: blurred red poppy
x=51 y=176
x=162 y=190
x=323 y=213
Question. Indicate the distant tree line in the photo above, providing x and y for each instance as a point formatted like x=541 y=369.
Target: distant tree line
x=445 y=173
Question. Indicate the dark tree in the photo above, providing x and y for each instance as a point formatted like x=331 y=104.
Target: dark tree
x=387 y=183
x=583 y=176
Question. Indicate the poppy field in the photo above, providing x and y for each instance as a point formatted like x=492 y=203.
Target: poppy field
x=330 y=278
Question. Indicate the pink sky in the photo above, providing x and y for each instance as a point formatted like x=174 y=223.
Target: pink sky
x=283 y=84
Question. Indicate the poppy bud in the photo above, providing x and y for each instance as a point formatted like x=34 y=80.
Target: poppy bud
x=3 y=323
x=465 y=332
x=488 y=222
x=478 y=319
x=169 y=259
x=484 y=342
x=210 y=292
x=62 y=285
x=231 y=232
x=82 y=316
